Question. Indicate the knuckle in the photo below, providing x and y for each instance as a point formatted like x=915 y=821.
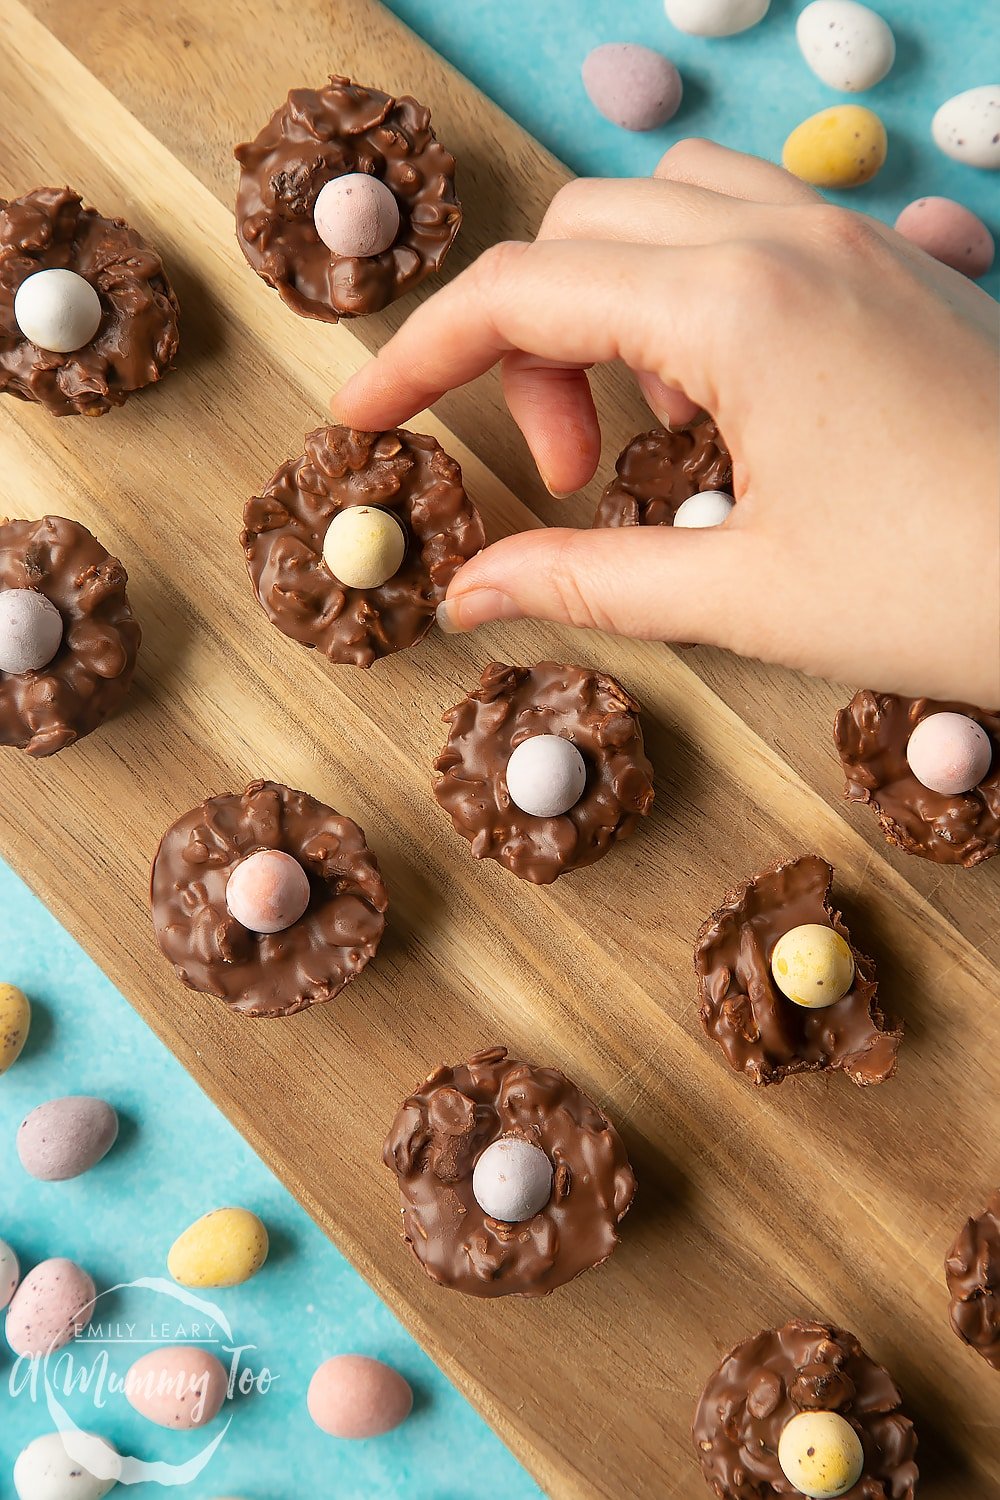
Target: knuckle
x=577 y=604
x=844 y=230
x=681 y=160
x=497 y=264
x=565 y=207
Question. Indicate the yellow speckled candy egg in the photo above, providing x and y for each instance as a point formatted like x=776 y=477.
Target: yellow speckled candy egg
x=821 y=1454
x=840 y=147
x=15 y=1018
x=222 y=1248
x=813 y=965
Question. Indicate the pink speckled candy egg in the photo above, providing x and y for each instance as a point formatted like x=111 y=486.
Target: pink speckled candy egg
x=52 y=1302
x=632 y=86
x=949 y=232
x=66 y=1137
x=356 y=215
x=949 y=753
x=180 y=1387
x=268 y=891
x=352 y=1396
x=10 y=1273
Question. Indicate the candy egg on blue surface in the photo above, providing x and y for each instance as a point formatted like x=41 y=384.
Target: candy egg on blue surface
x=949 y=232
x=222 y=1248
x=64 y=1138
x=707 y=508
x=31 y=630
x=967 y=127
x=715 y=17
x=546 y=775
x=820 y=1453
x=57 y=310
x=267 y=891
x=840 y=147
x=632 y=86
x=52 y=1302
x=949 y=753
x=66 y=1466
x=512 y=1180
x=847 y=45
x=812 y=965
x=356 y=215
x=364 y=546
x=181 y=1387
x=10 y=1272
x=15 y=1021
x=353 y=1396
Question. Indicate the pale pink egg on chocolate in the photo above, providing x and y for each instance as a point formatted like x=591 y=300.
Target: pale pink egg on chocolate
x=180 y=1387
x=353 y=1396
x=949 y=232
x=267 y=891
x=949 y=753
x=356 y=215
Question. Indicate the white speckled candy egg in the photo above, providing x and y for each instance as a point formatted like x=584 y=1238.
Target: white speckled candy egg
x=66 y=1137
x=15 y=1022
x=10 y=1273
x=364 y=546
x=820 y=1454
x=268 y=891
x=847 y=45
x=31 y=630
x=66 y=1466
x=356 y=215
x=812 y=965
x=949 y=753
x=632 y=86
x=546 y=775
x=57 y=310
x=715 y=17
x=707 y=508
x=352 y=1396
x=52 y=1302
x=512 y=1180
x=967 y=127
x=949 y=232
x=222 y=1248
x=182 y=1387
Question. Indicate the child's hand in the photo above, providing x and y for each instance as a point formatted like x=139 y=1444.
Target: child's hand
x=853 y=378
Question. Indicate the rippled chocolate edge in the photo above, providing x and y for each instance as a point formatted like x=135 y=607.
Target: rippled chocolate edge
x=767 y=1380
x=871 y=735
x=404 y=473
x=85 y=682
x=657 y=471
x=512 y=704
x=320 y=134
x=760 y=1031
x=972 y=1269
x=136 y=342
x=438 y=1135
x=267 y=974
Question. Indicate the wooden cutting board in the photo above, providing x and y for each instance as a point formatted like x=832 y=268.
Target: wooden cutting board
x=809 y=1198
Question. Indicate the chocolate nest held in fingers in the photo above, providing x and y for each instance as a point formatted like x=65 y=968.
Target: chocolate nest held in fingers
x=267 y=974
x=284 y=529
x=320 y=134
x=767 y=1380
x=871 y=735
x=438 y=1135
x=45 y=710
x=136 y=341
x=762 y=1033
x=512 y=704
x=973 y=1272
x=659 y=470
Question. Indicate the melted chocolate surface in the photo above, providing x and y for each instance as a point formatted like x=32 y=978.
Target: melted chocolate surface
x=659 y=470
x=973 y=1272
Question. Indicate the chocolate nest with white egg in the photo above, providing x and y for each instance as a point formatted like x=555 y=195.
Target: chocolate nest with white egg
x=804 y=1410
x=352 y=546
x=346 y=200
x=680 y=477
x=544 y=768
x=783 y=988
x=512 y=1181
x=68 y=637
x=87 y=314
x=930 y=770
x=267 y=899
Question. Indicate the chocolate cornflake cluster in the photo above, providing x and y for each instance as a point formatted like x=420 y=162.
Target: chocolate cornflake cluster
x=659 y=470
x=767 y=1380
x=871 y=735
x=973 y=1272
x=136 y=342
x=320 y=134
x=438 y=1135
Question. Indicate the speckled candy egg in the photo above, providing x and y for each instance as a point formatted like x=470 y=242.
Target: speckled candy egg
x=949 y=232
x=949 y=753
x=352 y=1396
x=66 y=1466
x=267 y=891
x=632 y=86
x=10 y=1272
x=53 y=1300
x=66 y=1137
x=364 y=546
x=967 y=127
x=847 y=45
x=356 y=215
x=820 y=1454
x=31 y=630
x=512 y=1180
x=840 y=147
x=15 y=1022
x=707 y=508
x=715 y=17
x=181 y=1387
x=57 y=310
x=812 y=965
x=222 y=1248
x=546 y=775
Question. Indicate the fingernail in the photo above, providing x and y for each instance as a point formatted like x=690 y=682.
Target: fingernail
x=558 y=494
x=479 y=607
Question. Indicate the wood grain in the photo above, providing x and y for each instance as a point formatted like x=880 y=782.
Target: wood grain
x=813 y=1197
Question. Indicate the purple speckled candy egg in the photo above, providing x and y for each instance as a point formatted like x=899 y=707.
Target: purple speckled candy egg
x=53 y=1301
x=66 y=1137
x=949 y=232
x=356 y=215
x=632 y=86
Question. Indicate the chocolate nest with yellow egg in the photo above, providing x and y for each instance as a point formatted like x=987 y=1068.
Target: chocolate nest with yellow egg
x=764 y=1033
x=512 y=1181
x=421 y=528
x=658 y=471
x=805 y=1370
x=280 y=942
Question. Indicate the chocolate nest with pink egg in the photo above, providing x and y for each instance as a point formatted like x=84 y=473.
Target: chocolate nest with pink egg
x=318 y=135
x=659 y=470
x=267 y=973
x=85 y=681
x=284 y=530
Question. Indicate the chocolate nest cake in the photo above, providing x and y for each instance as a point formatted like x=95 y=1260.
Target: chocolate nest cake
x=973 y=1272
x=659 y=470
